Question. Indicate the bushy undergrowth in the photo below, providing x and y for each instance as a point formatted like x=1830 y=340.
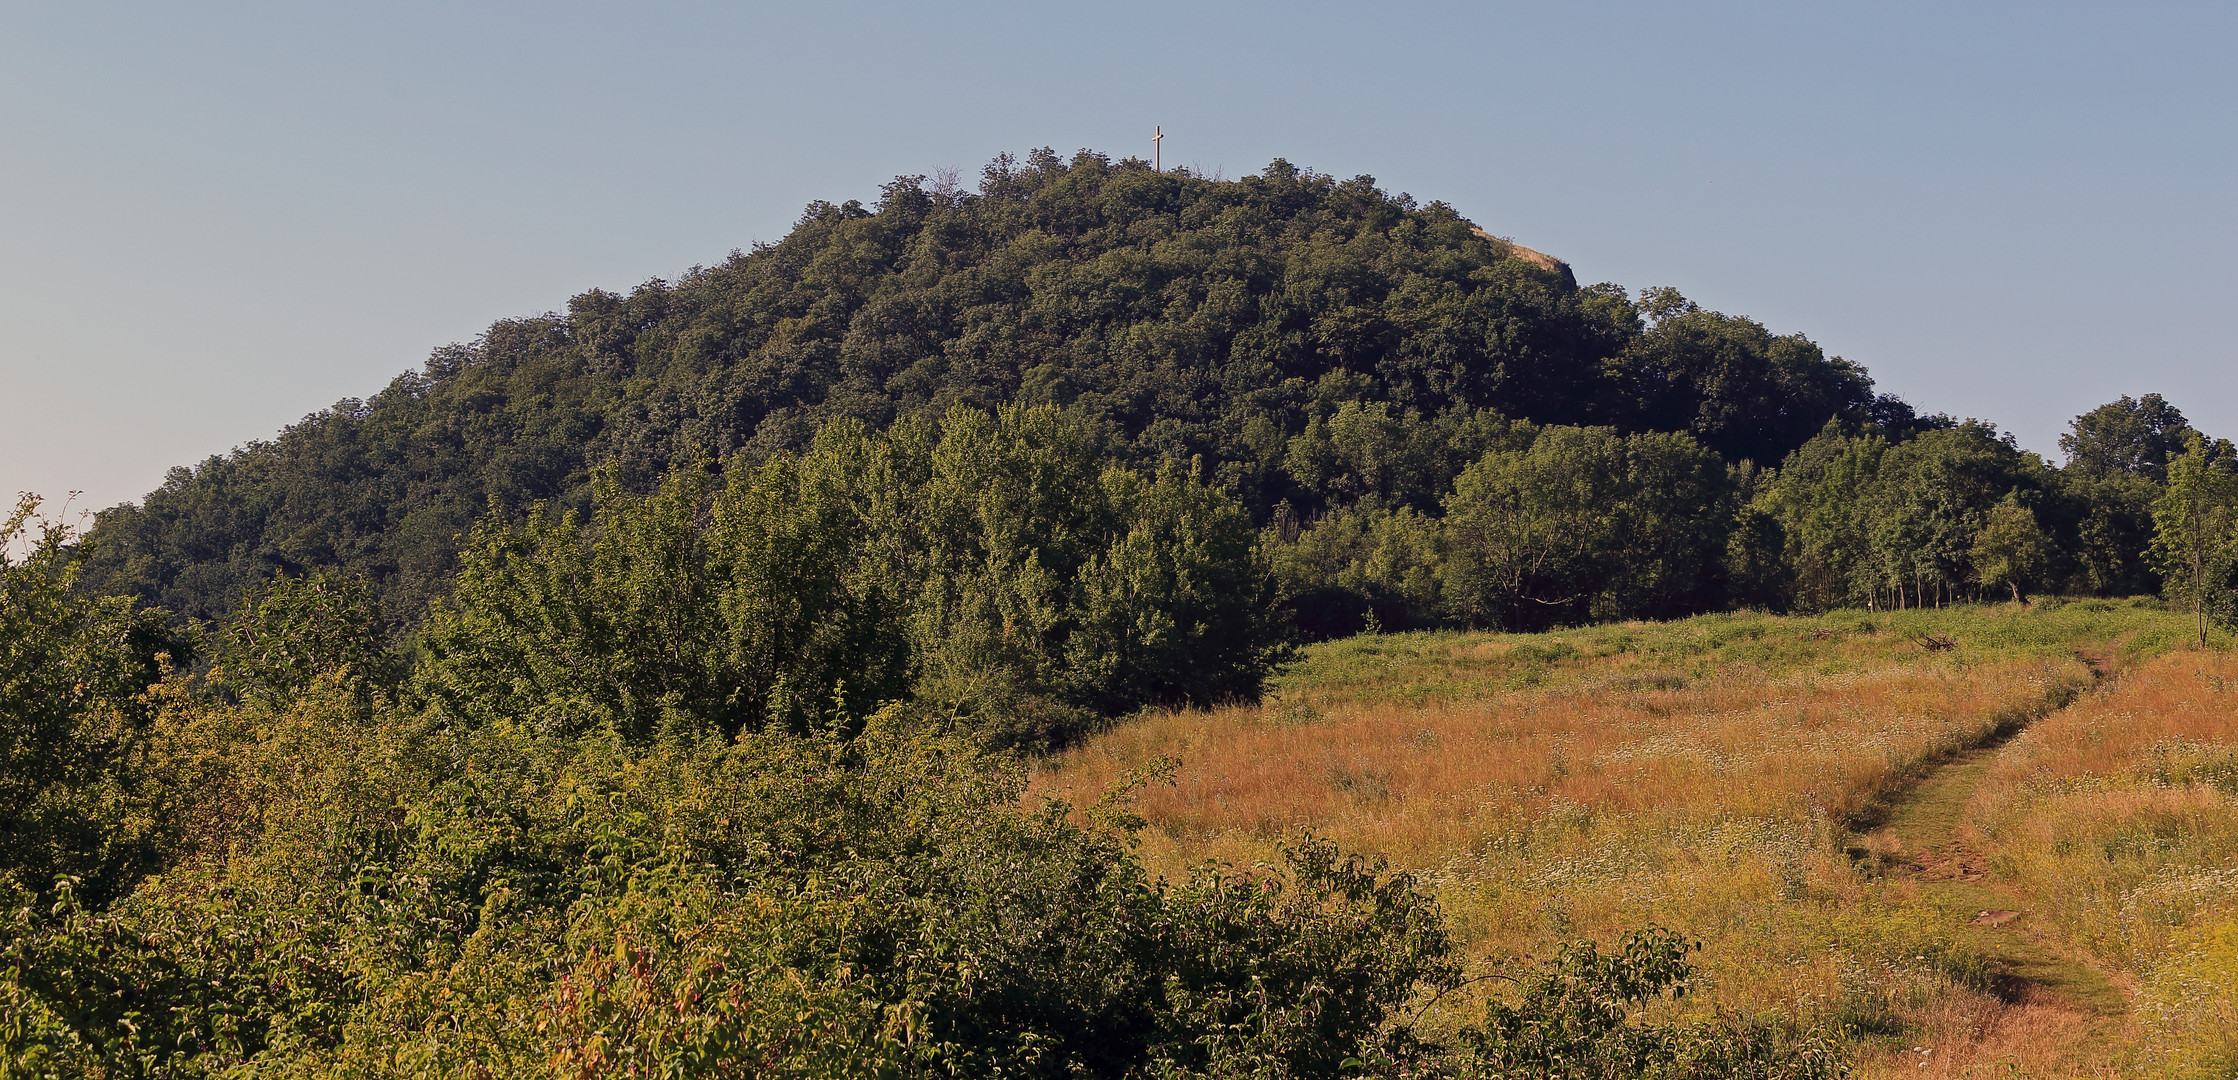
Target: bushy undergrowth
x=362 y=889
x=353 y=891
x=1573 y=1019
x=71 y=674
x=304 y=861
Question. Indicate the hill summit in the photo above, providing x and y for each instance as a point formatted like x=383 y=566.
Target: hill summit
x=1281 y=327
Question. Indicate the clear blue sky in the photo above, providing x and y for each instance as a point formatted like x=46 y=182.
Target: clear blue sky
x=215 y=218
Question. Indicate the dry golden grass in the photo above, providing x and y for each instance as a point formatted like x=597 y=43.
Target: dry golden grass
x=2120 y=817
x=1423 y=782
x=1706 y=775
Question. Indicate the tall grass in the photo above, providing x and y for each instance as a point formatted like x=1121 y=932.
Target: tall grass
x=1705 y=774
x=2121 y=816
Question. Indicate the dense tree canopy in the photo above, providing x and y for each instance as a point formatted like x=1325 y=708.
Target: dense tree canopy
x=2129 y=436
x=1348 y=366
x=1567 y=524
x=1316 y=341
x=987 y=565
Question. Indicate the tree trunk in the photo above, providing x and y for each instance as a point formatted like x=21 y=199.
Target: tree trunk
x=2199 y=593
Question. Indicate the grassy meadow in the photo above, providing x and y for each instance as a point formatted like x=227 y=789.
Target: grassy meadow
x=1986 y=841
x=2119 y=818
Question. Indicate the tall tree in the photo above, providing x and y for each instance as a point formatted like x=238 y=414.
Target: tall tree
x=73 y=671
x=2132 y=436
x=2011 y=550
x=1586 y=523
x=1819 y=499
x=2195 y=532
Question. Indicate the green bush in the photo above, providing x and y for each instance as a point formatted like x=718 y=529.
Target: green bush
x=400 y=898
x=1586 y=524
x=1578 y=1018
x=74 y=711
x=989 y=567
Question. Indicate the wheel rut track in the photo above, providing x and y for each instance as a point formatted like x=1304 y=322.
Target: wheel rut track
x=1919 y=834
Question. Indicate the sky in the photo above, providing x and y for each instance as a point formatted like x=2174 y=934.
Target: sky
x=217 y=218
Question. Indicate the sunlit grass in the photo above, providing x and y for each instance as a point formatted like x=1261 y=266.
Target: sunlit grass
x=2121 y=815
x=1706 y=774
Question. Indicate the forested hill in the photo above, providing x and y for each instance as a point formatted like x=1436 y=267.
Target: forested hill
x=1316 y=341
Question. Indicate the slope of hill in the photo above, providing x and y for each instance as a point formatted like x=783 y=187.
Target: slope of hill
x=1170 y=314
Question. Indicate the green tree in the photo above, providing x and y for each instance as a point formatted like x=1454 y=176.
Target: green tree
x=2130 y=436
x=74 y=714
x=1528 y=532
x=1006 y=515
x=808 y=586
x=2111 y=530
x=291 y=631
x=1757 y=572
x=1819 y=501
x=762 y=604
x=1735 y=386
x=1179 y=607
x=2195 y=533
x=1361 y=567
x=1369 y=454
x=2011 y=550
x=1676 y=517
x=1586 y=523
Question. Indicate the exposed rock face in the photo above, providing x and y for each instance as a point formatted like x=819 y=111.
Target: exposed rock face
x=1538 y=258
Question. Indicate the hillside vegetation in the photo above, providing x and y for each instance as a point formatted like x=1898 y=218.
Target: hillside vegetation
x=1435 y=427
x=599 y=824
x=1318 y=343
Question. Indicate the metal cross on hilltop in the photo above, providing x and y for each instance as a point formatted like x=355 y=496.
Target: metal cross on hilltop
x=1157 y=163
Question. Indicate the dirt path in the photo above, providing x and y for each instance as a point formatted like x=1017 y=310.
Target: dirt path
x=2057 y=1012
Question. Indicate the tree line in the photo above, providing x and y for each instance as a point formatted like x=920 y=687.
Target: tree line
x=1568 y=524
